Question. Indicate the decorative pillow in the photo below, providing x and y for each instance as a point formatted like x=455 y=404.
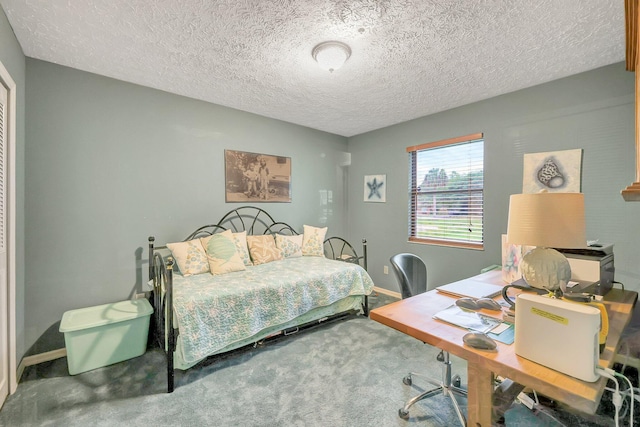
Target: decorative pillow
x=263 y=249
x=240 y=240
x=291 y=246
x=190 y=257
x=222 y=254
x=313 y=241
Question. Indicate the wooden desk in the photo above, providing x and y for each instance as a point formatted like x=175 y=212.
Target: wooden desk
x=414 y=316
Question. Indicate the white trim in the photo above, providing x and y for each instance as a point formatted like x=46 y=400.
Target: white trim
x=8 y=82
x=20 y=369
x=40 y=358
x=44 y=357
x=388 y=292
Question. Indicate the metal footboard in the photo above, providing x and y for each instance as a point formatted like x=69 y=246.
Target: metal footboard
x=161 y=277
x=339 y=249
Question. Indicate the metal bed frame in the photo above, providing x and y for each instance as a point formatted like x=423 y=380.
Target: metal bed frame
x=254 y=221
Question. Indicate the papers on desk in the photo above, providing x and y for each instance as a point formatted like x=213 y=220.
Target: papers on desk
x=471 y=288
x=499 y=331
x=467 y=319
x=506 y=336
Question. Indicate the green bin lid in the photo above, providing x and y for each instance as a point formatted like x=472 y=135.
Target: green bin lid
x=91 y=317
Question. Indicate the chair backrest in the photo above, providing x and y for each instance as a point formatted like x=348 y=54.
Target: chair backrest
x=411 y=273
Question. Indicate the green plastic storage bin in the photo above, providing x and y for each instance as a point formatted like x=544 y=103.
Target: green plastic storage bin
x=105 y=334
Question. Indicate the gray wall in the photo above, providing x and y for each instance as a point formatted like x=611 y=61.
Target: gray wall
x=593 y=111
x=110 y=163
x=13 y=60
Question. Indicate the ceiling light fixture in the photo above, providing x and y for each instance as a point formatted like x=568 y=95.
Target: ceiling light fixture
x=331 y=55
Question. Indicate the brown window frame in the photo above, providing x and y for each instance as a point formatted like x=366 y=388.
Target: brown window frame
x=473 y=202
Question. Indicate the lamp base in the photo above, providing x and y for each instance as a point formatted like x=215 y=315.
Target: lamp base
x=546 y=268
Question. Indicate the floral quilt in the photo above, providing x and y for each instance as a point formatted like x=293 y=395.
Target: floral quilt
x=215 y=311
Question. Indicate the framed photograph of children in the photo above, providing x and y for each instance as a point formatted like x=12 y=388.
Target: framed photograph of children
x=256 y=178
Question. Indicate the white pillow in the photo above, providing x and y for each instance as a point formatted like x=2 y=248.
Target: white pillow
x=190 y=257
x=313 y=241
x=241 y=245
x=291 y=246
x=222 y=254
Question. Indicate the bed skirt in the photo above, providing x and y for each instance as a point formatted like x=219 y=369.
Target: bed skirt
x=349 y=303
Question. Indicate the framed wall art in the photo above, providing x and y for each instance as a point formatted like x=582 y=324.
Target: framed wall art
x=375 y=188
x=256 y=178
x=554 y=171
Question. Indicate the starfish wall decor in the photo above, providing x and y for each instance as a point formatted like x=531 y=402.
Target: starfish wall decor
x=375 y=188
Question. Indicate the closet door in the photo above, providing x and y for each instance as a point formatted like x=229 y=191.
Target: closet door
x=4 y=291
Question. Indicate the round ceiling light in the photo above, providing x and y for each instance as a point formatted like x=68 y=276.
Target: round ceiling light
x=331 y=55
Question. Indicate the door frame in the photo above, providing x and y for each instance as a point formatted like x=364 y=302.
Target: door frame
x=7 y=81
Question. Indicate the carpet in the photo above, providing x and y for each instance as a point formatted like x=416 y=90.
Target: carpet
x=343 y=373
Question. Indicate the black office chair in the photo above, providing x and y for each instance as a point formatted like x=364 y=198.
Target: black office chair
x=411 y=273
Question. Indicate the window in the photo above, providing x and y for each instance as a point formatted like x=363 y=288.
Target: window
x=446 y=192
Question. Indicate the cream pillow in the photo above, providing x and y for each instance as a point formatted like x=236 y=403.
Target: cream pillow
x=291 y=246
x=313 y=241
x=263 y=249
x=222 y=254
x=240 y=240
x=190 y=257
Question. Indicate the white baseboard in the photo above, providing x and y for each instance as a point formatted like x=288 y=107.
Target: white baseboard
x=387 y=292
x=39 y=358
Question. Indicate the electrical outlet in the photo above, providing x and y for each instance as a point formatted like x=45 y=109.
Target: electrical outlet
x=385 y=269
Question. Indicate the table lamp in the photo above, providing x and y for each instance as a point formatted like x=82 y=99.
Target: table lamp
x=547 y=221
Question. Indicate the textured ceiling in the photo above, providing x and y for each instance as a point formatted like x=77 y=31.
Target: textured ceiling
x=410 y=58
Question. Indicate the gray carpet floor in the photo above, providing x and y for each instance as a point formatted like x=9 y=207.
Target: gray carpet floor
x=343 y=373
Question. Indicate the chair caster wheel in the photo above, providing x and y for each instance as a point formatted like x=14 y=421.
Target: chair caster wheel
x=407 y=380
x=456 y=380
x=403 y=414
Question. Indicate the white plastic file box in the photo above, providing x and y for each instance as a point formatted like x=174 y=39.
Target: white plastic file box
x=105 y=334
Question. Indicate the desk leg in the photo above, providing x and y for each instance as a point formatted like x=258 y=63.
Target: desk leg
x=480 y=396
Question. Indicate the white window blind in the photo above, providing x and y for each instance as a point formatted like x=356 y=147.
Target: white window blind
x=446 y=192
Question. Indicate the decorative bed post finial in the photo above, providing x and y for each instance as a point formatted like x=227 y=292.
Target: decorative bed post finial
x=364 y=252
x=151 y=272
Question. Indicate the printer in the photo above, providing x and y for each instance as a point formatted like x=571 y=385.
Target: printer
x=592 y=267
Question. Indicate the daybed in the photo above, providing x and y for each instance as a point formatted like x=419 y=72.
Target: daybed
x=242 y=293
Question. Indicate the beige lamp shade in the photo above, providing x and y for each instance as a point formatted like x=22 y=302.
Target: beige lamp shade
x=550 y=220
x=547 y=221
